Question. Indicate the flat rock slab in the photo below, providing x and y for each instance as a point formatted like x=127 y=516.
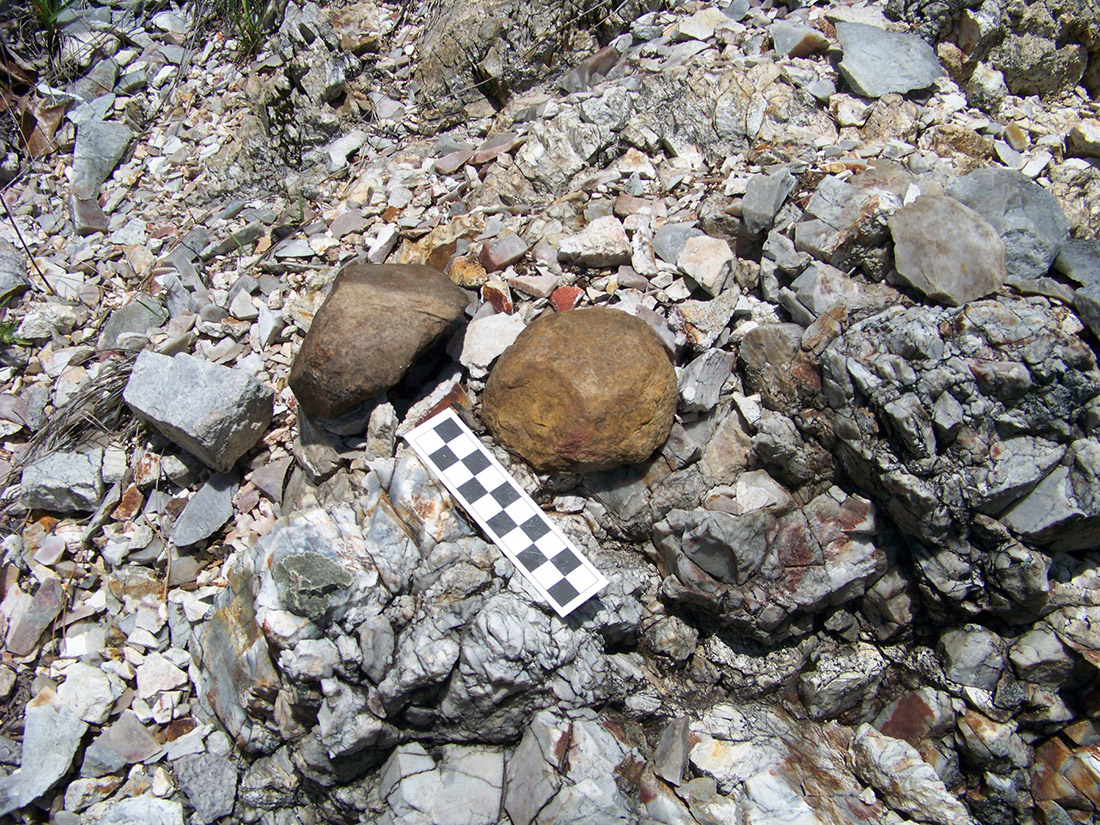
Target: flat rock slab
x=947 y=251
x=1079 y=260
x=100 y=145
x=13 y=271
x=878 y=62
x=375 y=323
x=1028 y=218
x=210 y=782
x=206 y=512
x=582 y=390
x=65 y=481
x=51 y=734
x=216 y=413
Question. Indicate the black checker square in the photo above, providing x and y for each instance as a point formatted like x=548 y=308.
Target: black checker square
x=476 y=462
x=505 y=494
x=444 y=457
x=562 y=592
x=472 y=490
x=501 y=524
x=566 y=561
x=532 y=558
x=535 y=528
x=447 y=430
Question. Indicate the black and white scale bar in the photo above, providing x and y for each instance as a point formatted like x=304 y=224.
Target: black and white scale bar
x=505 y=512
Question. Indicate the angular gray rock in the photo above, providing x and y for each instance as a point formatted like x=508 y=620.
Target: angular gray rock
x=13 y=271
x=65 y=482
x=669 y=240
x=1079 y=260
x=139 y=315
x=973 y=656
x=764 y=196
x=1028 y=218
x=210 y=783
x=946 y=250
x=701 y=381
x=51 y=735
x=144 y=810
x=216 y=413
x=100 y=145
x=207 y=510
x=797 y=41
x=877 y=62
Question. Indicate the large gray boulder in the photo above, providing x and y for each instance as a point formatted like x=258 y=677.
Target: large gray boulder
x=1028 y=218
x=216 y=413
x=877 y=62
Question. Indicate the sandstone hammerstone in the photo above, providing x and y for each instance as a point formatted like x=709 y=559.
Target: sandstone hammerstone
x=582 y=390
x=947 y=251
x=375 y=323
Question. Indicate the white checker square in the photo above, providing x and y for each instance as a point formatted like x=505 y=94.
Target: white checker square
x=582 y=578
x=462 y=446
x=457 y=474
x=547 y=575
x=430 y=441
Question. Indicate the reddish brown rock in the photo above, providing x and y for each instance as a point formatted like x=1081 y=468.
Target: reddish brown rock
x=566 y=297
x=375 y=323
x=581 y=391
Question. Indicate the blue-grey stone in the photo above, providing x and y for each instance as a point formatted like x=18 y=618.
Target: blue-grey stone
x=877 y=62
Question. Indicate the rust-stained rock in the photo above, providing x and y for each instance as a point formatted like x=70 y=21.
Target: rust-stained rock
x=583 y=390
x=375 y=323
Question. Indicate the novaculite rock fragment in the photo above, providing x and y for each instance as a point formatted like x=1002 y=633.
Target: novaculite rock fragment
x=216 y=413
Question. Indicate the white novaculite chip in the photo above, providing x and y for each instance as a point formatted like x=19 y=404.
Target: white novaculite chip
x=505 y=512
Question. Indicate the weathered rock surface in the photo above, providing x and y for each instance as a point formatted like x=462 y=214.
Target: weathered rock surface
x=877 y=62
x=215 y=413
x=1027 y=217
x=374 y=324
x=947 y=251
x=582 y=390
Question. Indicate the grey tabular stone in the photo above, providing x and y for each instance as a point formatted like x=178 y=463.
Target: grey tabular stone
x=140 y=315
x=1079 y=260
x=13 y=271
x=216 y=413
x=124 y=742
x=877 y=62
x=946 y=250
x=841 y=680
x=144 y=810
x=100 y=145
x=973 y=656
x=669 y=240
x=671 y=756
x=701 y=381
x=88 y=216
x=1028 y=218
x=65 y=482
x=32 y=615
x=1086 y=301
x=206 y=512
x=51 y=734
x=210 y=782
x=764 y=195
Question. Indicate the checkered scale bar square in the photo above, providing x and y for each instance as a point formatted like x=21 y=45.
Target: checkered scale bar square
x=517 y=525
